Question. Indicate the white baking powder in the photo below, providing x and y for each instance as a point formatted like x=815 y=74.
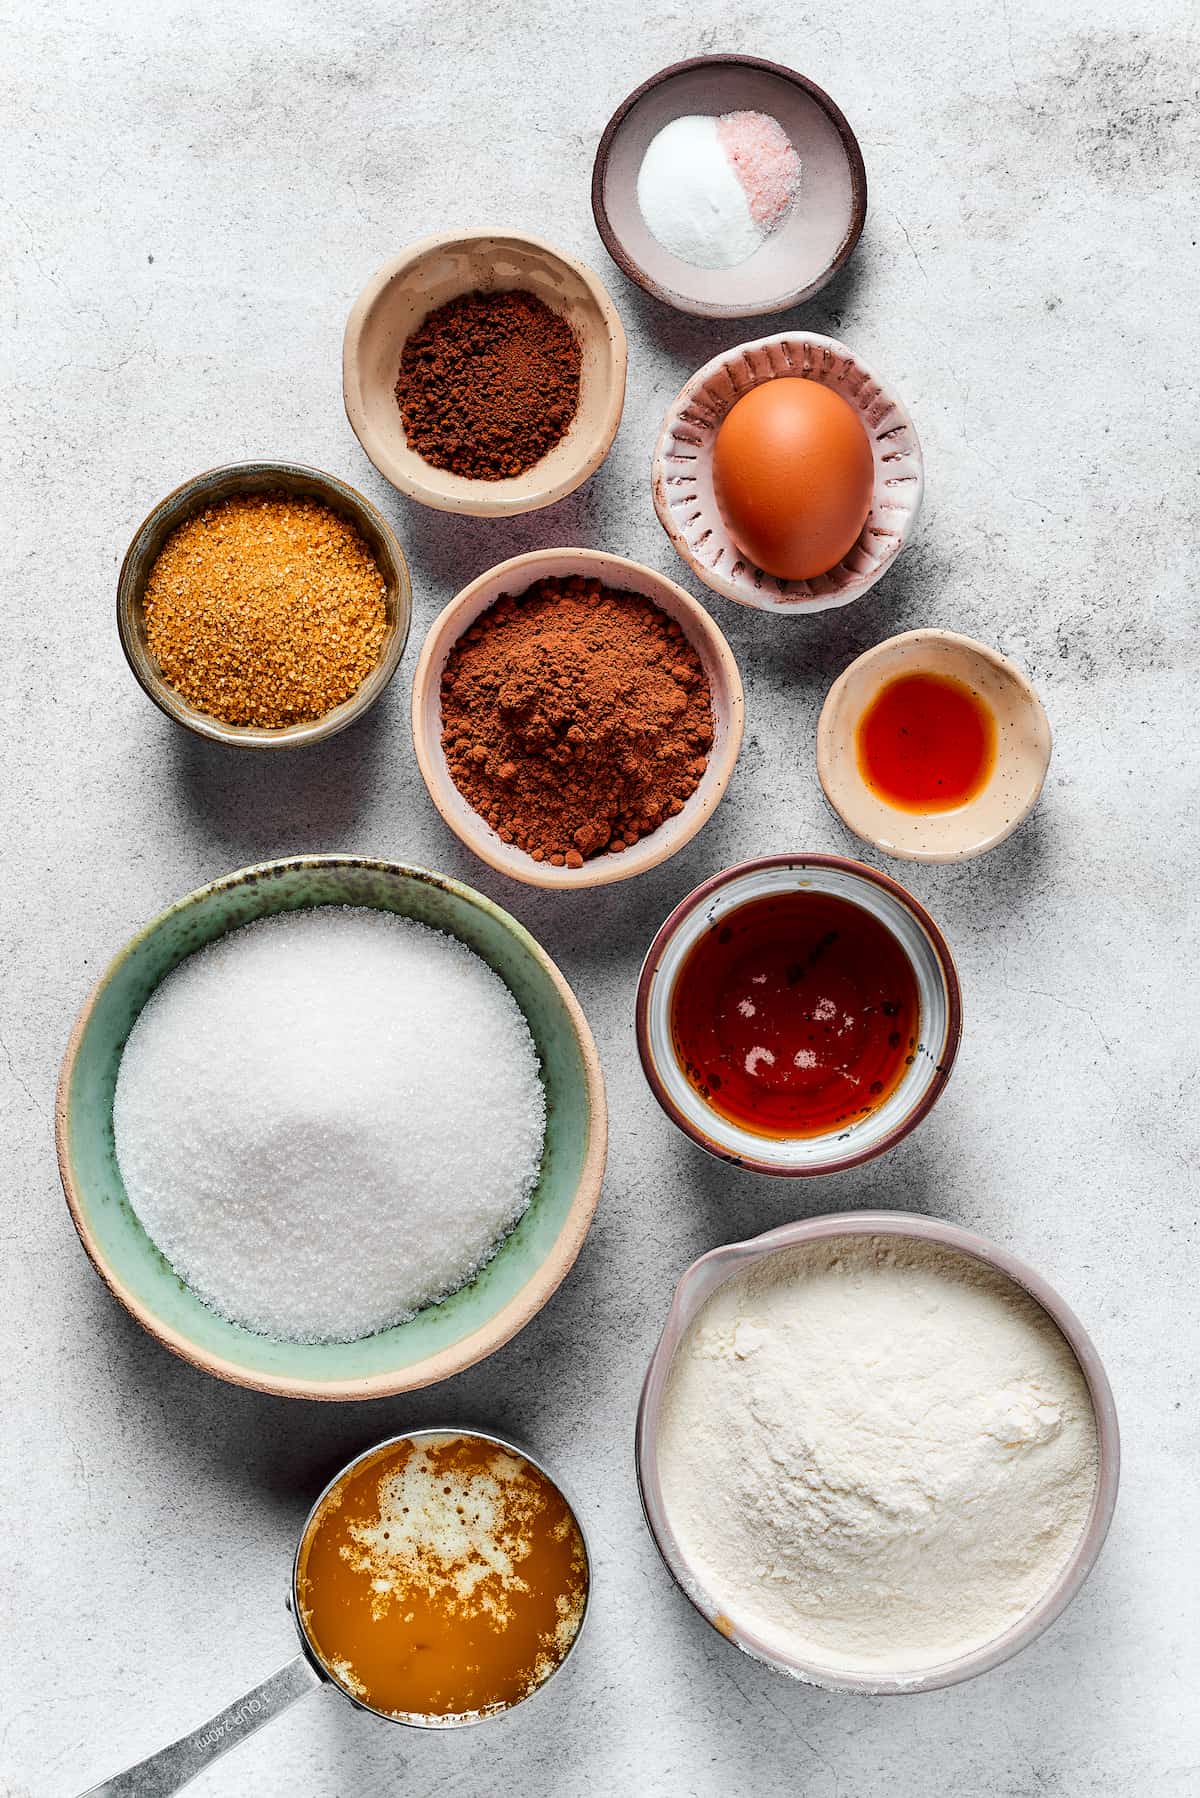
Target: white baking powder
x=876 y=1454
x=327 y=1120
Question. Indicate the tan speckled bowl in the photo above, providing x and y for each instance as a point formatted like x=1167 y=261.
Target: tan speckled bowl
x=239 y=480
x=412 y=285
x=698 y=1283
x=514 y=576
x=682 y=476
x=1023 y=745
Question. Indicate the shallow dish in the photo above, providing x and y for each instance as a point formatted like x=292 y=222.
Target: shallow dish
x=239 y=479
x=441 y=1340
x=937 y=986
x=698 y=1284
x=682 y=478
x=810 y=245
x=1023 y=745
x=514 y=576
x=412 y=285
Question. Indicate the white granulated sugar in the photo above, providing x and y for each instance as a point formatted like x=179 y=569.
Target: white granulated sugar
x=691 y=199
x=329 y=1119
x=876 y=1454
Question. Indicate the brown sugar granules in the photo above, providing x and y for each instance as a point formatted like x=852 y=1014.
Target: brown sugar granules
x=488 y=384
x=575 y=719
x=265 y=610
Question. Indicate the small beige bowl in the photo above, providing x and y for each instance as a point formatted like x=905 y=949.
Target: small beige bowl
x=254 y=478
x=682 y=478
x=515 y=576
x=1023 y=745
x=423 y=277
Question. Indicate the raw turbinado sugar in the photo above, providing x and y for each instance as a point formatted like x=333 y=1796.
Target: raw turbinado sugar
x=328 y=1120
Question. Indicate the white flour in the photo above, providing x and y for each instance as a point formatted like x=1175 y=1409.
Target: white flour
x=876 y=1454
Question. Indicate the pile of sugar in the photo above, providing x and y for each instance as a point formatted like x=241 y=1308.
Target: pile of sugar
x=329 y=1119
x=711 y=190
x=877 y=1455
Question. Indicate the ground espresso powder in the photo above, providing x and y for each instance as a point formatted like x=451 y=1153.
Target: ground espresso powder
x=488 y=384
x=575 y=719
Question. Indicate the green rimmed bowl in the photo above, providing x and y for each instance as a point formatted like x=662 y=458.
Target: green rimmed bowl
x=441 y=1340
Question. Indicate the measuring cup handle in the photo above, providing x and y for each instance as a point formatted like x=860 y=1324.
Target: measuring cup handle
x=172 y=1768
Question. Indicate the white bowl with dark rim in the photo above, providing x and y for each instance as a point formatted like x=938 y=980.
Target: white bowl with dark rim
x=939 y=1014
x=807 y=248
x=695 y=1288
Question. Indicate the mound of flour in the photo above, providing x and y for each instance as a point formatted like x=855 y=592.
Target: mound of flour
x=876 y=1454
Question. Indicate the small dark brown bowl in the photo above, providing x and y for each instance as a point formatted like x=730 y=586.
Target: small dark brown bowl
x=809 y=246
x=940 y=1012
x=253 y=478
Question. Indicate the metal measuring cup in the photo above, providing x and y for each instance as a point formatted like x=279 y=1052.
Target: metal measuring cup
x=175 y=1766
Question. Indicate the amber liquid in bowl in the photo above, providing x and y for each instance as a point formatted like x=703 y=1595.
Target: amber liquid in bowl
x=442 y=1578
x=926 y=743
x=795 y=1014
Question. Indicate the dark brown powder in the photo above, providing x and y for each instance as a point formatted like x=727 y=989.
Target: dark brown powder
x=575 y=719
x=488 y=384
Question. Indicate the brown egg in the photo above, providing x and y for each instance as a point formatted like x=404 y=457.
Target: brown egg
x=794 y=475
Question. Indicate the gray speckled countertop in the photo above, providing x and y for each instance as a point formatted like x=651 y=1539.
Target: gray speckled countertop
x=192 y=196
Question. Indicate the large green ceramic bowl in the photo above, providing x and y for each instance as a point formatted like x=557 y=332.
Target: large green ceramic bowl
x=444 y=1338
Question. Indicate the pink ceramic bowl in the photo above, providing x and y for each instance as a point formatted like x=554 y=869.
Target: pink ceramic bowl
x=697 y=1285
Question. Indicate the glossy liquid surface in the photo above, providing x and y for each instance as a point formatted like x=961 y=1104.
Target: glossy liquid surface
x=795 y=1014
x=926 y=743
x=444 y=1577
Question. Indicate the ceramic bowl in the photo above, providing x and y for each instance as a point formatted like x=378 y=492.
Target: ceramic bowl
x=238 y=480
x=940 y=1017
x=682 y=477
x=1023 y=746
x=412 y=285
x=515 y=576
x=809 y=246
x=696 y=1287
x=441 y=1340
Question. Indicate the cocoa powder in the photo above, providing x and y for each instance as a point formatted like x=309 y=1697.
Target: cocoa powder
x=575 y=718
x=488 y=384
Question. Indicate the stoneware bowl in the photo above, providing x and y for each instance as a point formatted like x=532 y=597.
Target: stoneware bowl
x=682 y=477
x=409 y=287
x=444 y=1338
x=940 y=1025
x=238 y=480
x=697 y=1286
x=515 y=576
x=807 y=248
x=1022 y=749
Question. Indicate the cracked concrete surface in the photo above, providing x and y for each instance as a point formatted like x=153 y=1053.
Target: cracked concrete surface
x=191 y=196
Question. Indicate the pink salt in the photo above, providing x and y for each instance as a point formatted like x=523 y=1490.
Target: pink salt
x=764 y=161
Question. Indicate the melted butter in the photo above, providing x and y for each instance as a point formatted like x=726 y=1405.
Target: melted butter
x=442 y=1577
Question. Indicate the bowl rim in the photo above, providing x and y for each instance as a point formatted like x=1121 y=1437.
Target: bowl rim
x=601 y=870
x=414 y=1720
x=710 y=309
x=680 y=1315
x=131 y=594
x=512 y=1317
x=859 y=870
x=833 y=729
x=483 y=499
x=833 y=349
